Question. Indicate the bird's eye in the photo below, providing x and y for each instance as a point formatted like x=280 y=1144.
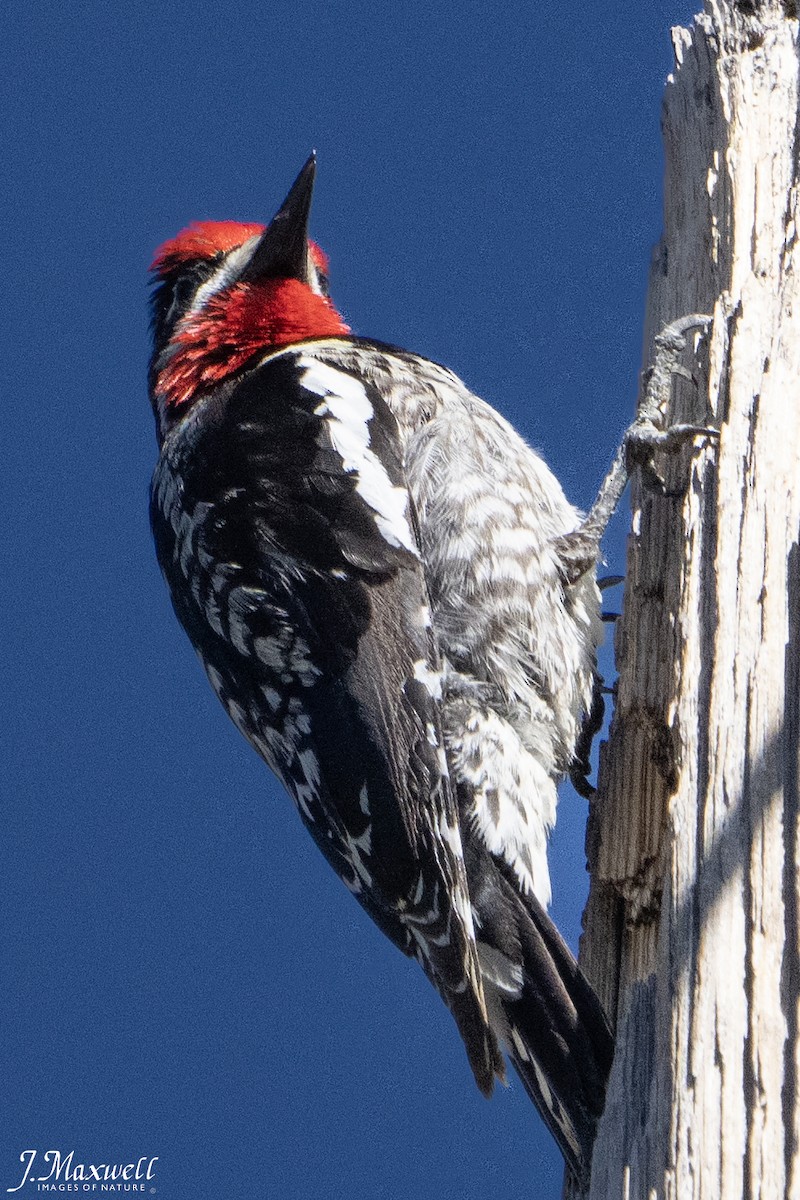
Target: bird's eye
x=182 y=294
x=187 y=285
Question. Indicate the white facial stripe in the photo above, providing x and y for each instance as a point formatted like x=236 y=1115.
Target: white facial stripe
x=314 y=277
x=226 y=273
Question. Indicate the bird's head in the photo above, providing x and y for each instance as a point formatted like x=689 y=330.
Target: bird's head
x=227 y=293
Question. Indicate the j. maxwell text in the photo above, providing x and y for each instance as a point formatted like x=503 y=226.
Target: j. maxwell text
x=61 y=1167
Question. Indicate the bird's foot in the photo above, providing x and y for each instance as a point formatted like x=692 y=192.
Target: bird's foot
x=579 y=551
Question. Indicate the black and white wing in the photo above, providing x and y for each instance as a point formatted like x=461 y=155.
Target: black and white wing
x=286 y=533
x=518 y=643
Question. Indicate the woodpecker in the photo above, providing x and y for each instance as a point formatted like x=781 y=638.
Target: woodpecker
x=397 y=607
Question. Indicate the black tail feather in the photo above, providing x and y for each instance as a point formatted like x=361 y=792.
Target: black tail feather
x=561 y=1044
x=554 y=1027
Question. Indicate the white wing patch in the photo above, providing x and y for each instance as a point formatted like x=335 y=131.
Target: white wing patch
x=348 y=412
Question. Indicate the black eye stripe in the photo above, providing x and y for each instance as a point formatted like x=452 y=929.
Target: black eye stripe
x=182 y=294
x=172 y=297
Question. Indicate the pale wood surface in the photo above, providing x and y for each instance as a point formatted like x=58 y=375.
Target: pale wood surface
x=692 y=928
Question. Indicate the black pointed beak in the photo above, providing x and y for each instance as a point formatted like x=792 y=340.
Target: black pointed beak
x=282 y=250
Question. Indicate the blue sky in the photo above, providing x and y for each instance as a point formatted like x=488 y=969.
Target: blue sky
x=183 y=976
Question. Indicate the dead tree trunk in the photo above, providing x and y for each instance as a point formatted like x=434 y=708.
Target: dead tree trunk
x=692 y=929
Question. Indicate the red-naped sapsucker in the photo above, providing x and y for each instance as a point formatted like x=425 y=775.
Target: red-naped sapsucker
x=397 y=607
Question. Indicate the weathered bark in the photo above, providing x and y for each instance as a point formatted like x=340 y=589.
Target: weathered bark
x=692 y=932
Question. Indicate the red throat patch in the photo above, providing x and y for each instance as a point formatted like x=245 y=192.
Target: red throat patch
x=238 y=323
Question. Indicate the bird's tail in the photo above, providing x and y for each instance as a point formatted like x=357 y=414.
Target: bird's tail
x=543 y=1009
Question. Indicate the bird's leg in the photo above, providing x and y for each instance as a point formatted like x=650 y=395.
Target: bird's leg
x=591 y=726
x=579 y=551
